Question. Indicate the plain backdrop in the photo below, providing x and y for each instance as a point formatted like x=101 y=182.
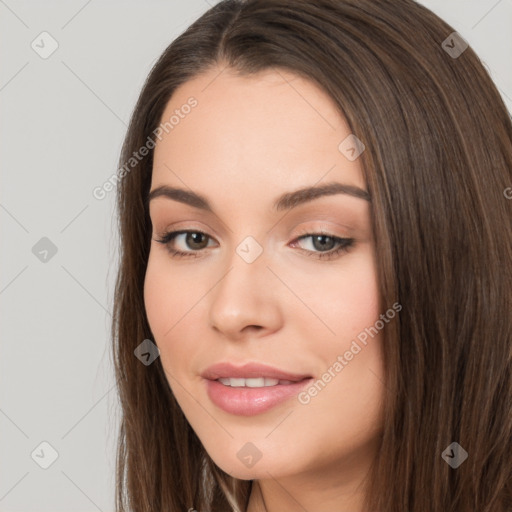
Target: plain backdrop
x=63 y=119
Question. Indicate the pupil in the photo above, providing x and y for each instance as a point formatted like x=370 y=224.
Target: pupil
x=194 y=238
x=322 y=245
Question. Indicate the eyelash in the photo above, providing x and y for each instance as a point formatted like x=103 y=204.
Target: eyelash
x=346 y=244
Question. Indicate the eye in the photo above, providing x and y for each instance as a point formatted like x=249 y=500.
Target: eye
x=193 y=239
x=322 y=244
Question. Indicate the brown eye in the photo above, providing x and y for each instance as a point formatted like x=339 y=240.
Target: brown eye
x=196 y=239
x=192 y=242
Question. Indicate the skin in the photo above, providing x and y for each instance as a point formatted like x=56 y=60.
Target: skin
x=249 y=140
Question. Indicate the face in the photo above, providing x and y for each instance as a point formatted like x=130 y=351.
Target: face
x=291 y=286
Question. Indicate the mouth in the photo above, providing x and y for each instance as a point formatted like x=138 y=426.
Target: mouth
x=251 y=375
x=252 y=388
x=255 y=382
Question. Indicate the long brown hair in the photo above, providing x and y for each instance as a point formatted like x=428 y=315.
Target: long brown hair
x=437 y=164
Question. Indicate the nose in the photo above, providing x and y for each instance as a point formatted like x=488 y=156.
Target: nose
x=245 y=302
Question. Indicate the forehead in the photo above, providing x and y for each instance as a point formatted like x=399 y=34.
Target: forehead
x=268 y=131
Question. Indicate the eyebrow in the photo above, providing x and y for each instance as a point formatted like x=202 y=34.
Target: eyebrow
x=286 y=201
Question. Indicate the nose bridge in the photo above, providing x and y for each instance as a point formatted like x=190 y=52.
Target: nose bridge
x=247 y=266
x=249 y=250
x=242 y=296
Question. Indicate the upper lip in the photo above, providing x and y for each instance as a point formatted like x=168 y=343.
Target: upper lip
x=249 y=370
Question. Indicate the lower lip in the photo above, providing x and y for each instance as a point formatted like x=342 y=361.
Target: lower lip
x=244 y=401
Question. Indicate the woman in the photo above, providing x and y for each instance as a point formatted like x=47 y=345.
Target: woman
x=316 y=267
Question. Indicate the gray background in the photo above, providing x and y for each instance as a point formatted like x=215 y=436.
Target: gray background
x=62 y=124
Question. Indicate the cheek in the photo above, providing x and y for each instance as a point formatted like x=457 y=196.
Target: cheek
x=358 y=301
x=171 y=309
x=345 y=299
x=157 y=302
x=165 y=298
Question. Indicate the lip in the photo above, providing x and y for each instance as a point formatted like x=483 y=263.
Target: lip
x=245 y=401
x=248 y=370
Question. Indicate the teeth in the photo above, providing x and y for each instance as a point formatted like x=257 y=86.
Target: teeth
x=258 y=382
